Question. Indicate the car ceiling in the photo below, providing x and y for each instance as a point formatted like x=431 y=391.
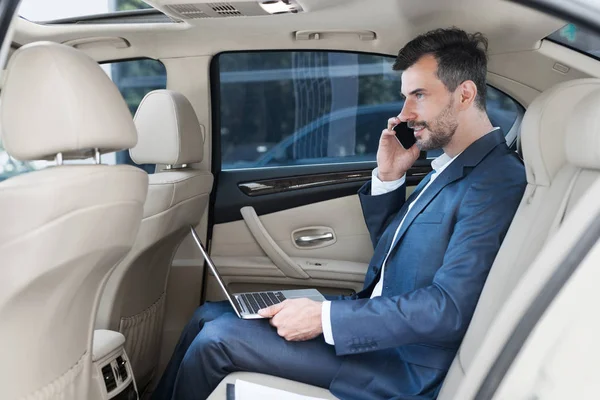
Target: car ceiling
x=508 y=26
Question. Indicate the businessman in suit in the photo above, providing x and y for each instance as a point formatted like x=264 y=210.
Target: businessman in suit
x=433 y=251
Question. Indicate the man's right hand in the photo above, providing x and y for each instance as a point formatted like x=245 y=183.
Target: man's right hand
x=392 y=159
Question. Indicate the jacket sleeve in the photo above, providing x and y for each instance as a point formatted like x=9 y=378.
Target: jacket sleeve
x=379 y=210
x=438 y=313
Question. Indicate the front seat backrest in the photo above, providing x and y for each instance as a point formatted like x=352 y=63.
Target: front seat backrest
x=64 y=227
x=555 y=185
x=134 y=300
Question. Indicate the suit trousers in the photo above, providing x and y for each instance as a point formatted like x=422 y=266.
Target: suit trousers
x=216 y=342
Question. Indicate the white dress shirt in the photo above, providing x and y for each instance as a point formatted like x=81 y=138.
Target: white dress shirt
x=378 y=187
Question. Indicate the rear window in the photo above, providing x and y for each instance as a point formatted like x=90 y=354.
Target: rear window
x=577 y=38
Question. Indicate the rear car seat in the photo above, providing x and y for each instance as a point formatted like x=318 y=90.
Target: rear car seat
x=582 y=209
x=557 y=178
x=555 y=184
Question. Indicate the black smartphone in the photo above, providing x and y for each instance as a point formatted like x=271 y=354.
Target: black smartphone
x=405 y=135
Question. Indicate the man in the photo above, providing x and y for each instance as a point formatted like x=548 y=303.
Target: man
x=397 y=337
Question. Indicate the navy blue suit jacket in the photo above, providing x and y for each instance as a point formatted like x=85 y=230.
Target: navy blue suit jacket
x=400 y=345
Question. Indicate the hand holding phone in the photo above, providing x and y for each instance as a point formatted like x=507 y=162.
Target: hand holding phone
x=405 y=135
x=396 y=152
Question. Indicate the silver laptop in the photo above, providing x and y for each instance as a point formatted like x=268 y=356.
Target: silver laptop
x=246 y=305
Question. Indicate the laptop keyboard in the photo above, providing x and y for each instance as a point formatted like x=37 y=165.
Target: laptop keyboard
x=257 y=301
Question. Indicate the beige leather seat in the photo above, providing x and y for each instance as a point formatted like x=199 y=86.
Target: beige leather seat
x=560 y=168
x=64 y=227
x=559 y=359
x=571 y=118
x=133 y=302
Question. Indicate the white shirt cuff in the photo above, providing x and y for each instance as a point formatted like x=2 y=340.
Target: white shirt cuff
x=379 y=187
x=326 y=322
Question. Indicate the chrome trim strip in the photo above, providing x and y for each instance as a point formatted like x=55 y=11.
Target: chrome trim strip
x=280 y=185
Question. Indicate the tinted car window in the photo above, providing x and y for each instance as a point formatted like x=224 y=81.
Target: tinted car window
x=312 y=107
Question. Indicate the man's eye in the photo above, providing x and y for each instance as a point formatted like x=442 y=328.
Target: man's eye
x=419 y=96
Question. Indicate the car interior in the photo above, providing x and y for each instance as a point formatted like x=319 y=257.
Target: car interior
x=255 y=122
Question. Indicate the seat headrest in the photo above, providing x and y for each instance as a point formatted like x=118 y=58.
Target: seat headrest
x=168 y=130
x=547 y=129
x=583 y=140
x=58 y=100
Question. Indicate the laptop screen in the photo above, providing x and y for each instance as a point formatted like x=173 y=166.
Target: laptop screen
x=213 y=268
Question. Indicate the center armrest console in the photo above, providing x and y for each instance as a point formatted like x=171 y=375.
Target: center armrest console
x=112 y=373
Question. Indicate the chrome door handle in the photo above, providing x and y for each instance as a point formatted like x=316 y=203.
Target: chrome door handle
x=309 y=240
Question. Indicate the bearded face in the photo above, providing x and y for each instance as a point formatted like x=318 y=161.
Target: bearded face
x=429 y=107
x=438 y=131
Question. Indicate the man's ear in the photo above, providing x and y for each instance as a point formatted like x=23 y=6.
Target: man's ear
x=467 y=92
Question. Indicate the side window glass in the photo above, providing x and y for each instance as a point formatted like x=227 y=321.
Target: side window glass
x=134 y=79
x=293 y=108
x=502 y=109
x=285 y=108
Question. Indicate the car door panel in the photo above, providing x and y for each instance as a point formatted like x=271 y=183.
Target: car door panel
x=238 y=255
x=287 y=213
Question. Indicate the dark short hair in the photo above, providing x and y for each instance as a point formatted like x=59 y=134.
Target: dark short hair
x=461 y=56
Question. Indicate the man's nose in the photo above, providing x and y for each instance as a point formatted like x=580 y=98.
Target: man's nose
x=406 y=114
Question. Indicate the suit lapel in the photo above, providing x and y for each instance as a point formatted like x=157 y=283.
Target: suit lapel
x=388 y=236
x=459 y=168
x=410 y=199
x=450 y=174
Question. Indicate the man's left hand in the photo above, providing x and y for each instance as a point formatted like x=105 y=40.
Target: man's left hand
x=296 y=320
